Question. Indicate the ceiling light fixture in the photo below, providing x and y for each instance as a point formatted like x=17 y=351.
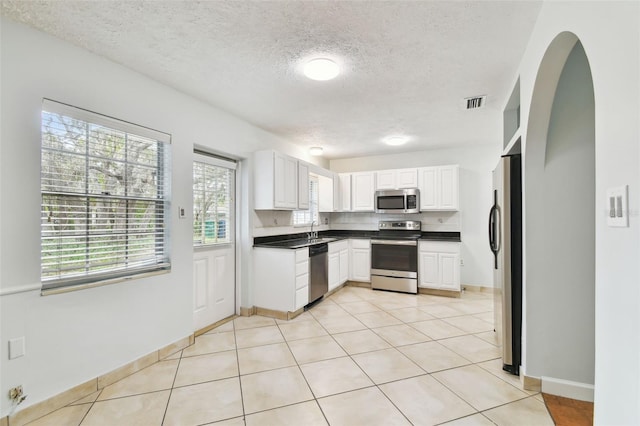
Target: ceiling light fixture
x=321 y=69
x=315 y=150
x=396 y=140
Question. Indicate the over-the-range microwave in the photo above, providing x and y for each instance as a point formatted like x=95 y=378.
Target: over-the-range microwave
x=398 y=201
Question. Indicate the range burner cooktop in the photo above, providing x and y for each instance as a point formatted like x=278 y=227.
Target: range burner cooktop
x=399 y=230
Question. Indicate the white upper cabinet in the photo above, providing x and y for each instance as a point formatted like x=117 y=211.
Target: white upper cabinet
x=276 y=181
x=345 y=192
x=363 y=189
x=285 y=182
x=427 y=182
x=282 y=183
x=448 y=188
x=439 y=188
x=397 y=179
x=407 y=178
x=303 y=186
x=386 y=179
x=325 y=194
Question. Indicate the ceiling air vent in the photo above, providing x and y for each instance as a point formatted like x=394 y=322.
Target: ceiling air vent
x=475 y=102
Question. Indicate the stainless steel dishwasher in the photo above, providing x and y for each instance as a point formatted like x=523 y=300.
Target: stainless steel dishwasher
x=318 y=271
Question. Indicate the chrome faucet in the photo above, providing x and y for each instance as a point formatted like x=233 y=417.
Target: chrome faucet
x=312 y=235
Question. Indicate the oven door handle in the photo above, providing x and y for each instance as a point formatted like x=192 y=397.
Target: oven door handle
x=395 y=243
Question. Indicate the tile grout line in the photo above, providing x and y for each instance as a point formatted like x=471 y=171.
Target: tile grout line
x=315 y=398
x=427 y=373
x=376 y=385
x=175 y=376
x=350 y=356
x=235 y=343
x=90 y=408
x=394 y=347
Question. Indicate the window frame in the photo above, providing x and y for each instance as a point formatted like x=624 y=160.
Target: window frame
x=217 y=161
x=314 y=205
x=91 y=275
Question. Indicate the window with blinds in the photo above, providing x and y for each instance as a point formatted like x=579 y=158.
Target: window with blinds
x=105 y=196
x=213 y=189
x=306 y=217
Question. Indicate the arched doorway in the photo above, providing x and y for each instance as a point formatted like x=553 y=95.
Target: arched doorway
x=559 y=222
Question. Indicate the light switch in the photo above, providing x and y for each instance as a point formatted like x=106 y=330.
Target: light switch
x=181 y=213
x=618 y=206
x=612 y=206
x=16 y=348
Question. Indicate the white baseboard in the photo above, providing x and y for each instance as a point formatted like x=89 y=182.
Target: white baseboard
x=567 y=389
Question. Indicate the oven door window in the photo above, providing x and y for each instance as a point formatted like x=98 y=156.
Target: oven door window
x=391 y=202
x=394 y=258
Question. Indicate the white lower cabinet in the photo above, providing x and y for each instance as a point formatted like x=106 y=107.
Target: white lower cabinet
x=334 y=270
x=344 y=263
x=282 y=278
x=439 y=265
x=338 y=263
x=360 y=260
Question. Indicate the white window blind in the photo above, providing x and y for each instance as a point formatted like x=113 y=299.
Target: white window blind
x=105 y=196
x=213 y=189
x=306 y=217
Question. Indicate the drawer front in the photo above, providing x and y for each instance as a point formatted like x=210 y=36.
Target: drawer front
x=302 y=268
x=337 y=246
x=302 y=297
x=302 y=254
x=302 y=281
x=360 y=243
x=439 y=246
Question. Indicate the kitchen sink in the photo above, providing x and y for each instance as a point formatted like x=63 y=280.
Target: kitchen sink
x=321 y=240
x=312 y=242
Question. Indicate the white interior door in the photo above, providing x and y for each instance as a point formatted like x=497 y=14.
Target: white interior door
x=214 y=283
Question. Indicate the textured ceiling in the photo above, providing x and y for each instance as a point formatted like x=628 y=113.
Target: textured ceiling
x=407 y=65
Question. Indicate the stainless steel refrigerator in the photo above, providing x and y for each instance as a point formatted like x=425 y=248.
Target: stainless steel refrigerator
x=505 y=240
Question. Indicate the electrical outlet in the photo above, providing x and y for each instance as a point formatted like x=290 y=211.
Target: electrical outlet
x=461 y=262
x=16 y=348
x=15 y=393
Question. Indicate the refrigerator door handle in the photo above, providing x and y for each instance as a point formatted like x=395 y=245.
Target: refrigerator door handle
x=491 y=239
x=494 y=229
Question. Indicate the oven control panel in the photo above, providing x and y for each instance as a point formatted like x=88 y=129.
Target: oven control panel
x=412 y=225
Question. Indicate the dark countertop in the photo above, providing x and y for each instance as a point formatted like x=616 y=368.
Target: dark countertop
x=300 y=240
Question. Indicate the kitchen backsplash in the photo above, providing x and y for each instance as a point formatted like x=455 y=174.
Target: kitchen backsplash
x=272 y=222
x=278 y=222
x=431 y=221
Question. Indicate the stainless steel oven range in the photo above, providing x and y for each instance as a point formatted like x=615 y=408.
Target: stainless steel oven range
x=394 y=256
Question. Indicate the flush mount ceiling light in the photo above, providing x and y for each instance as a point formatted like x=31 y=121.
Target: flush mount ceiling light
x=395 y=140
x=315 y=150
x=321 y=69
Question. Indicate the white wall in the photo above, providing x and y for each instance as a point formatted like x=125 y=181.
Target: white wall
x=561 y=300
x=74 y=337
x=476 y=164
x=610 y=34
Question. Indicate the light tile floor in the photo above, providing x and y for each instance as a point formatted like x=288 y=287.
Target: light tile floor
x=360 y=357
